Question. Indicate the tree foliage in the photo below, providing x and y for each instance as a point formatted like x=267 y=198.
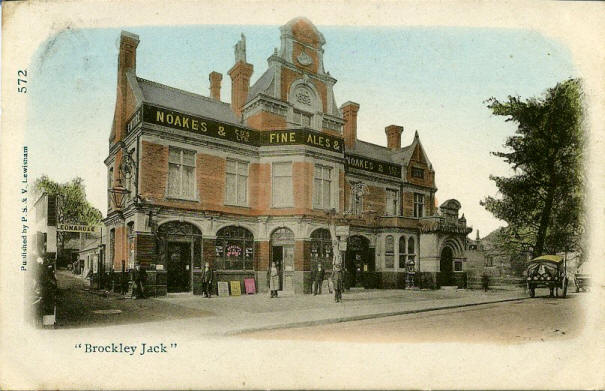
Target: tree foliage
x=73 y=208
x=542 y=202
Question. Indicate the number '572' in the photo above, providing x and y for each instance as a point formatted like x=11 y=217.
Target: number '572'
x=21 y=75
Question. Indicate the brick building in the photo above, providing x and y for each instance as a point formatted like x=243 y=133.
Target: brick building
x=277 y=175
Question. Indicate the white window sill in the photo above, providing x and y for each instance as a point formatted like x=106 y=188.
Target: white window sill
x=237 y=205
x=177 y=198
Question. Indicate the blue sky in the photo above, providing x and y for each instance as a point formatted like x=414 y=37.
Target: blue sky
x=434 y=80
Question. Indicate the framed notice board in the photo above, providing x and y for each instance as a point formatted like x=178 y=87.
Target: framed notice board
x=223 y=288
x=236 y=289
x=249 y=285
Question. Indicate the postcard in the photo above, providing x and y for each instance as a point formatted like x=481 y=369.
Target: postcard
x=328 y=195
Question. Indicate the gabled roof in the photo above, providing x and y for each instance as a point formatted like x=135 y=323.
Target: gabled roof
x=170 y=97
x=262 y=85
x=405 y=154
x=372 y=151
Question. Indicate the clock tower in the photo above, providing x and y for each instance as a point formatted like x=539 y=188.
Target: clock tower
x=295 y=91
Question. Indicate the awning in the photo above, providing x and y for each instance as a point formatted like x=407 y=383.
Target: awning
x=548 y=258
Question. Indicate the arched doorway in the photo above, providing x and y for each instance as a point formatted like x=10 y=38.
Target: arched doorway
x=446 y=274
x=282 y=253
x=357 y=259
x=180 y=251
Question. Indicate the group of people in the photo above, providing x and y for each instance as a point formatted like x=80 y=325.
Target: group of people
x=336 y=282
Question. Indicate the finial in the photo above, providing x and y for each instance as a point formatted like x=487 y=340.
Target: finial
x=240 y=50
x=416 y=134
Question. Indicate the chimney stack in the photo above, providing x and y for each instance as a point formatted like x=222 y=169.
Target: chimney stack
x=127 y=62
x=215 y=85
x=393 y=136
x=349 y=113
x=240 y=77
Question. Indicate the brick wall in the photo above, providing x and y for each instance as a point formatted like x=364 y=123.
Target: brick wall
x=262 y=255
x=154 y=170
x=266 y=121
x=375 y=200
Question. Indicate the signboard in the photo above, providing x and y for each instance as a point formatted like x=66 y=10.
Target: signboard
x=78 y=228
x=136 y=119
x=371 y=165
x=207 y=127
x=236 y=289
x=249 y=285
x=223 y=288
x=302 y=136
x=342 y=230
x=200 y=125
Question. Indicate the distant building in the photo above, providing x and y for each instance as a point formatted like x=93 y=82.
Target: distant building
x=277 y=175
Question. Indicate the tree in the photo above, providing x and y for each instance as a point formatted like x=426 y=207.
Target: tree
x=542 y=201
x=73 y=207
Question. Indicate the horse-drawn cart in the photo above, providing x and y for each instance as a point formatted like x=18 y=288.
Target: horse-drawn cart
x=547 y=271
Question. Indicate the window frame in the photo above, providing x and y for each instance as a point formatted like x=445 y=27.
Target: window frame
x=417 y=172
x=322 y=181
x=237 y=175
x=388 y=200
x=290 y=203
x=389 y=251
x=181 y=164
x=418 y=212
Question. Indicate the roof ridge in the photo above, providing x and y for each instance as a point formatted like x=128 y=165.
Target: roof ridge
x=192 y=94
x=376 y=145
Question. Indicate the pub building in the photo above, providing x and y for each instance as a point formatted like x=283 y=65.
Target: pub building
x=276 y=175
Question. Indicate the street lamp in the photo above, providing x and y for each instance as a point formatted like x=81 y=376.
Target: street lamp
x=118 y=194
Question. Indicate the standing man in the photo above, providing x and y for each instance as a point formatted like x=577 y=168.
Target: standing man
x=207 y=279
x=318 y=278
x=140 y=277
x=337 y=279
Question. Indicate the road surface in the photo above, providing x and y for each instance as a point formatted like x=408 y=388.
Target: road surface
x=538 y=319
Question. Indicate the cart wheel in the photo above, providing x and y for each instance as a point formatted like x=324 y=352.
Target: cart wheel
x=532 y=291
x=564 y=292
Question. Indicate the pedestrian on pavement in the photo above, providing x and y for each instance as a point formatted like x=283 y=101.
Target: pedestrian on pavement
x=485 y=281
x=273 y=275
x=207 y=280
x=318 y=278
x=337 y=280
x=140 y=277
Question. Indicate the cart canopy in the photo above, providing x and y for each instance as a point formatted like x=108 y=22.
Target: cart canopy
x=548 y=258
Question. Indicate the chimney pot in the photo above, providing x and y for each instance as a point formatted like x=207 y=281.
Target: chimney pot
x=215 y=85
x=393 y=136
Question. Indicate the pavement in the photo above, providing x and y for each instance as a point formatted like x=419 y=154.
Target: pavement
x=225 y=316
x=244 y=314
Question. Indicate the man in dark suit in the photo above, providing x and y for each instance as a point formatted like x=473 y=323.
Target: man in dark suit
x=318 y=277
x=207 y=280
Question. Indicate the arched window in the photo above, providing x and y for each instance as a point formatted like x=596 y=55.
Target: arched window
x=234 y=249
x=321 y=248
x=389 y=252
x=402 y=252
x=411 y=250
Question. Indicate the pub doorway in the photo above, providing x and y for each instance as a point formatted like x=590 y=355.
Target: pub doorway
x=180 y=250
x=178 y=268
x=282 y=253
x=358 y=262
x=446 y=273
